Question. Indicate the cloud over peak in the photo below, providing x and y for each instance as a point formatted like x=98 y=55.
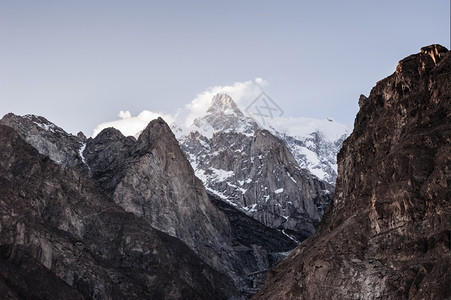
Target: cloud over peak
x=129 y=125
x=241 y=92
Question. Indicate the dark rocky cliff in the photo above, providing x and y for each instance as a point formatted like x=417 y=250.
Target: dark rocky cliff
x=387 y=233
x=62 y=238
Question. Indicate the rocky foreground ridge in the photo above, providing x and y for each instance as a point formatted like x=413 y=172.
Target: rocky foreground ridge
x=386 y=234
x=63 y=238
x=119 y=201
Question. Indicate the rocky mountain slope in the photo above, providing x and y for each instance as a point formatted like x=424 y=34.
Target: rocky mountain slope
x=151 y=178
x=49 y=139
x=63 y=238
x=386 y=234
x=253 y=170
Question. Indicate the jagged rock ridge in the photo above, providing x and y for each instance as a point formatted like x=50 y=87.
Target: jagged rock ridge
x=260 y=176
x=151 y=178
x=386 y=234
x=49 y=139
x=314 y=143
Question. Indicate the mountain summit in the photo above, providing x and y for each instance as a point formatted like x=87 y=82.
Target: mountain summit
x=224 y=115
x=223 y=103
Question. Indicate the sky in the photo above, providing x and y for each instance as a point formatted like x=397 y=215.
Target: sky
x=83 y=63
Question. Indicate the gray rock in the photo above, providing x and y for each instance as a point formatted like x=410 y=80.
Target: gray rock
x=49 y=139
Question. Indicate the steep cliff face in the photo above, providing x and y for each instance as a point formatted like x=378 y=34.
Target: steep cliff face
x=387 y=232
x=62 y=238
x=152 y=179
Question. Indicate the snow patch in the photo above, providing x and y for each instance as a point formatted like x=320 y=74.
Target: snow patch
x=251 y=208
x=47 y=127
x=230 y=111
x=221 y=175
x=221 y=195
x=80 y=153
x=240 y=189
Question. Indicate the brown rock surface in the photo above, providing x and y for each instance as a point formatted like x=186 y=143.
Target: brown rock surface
x=61 y=237
x=387 y=233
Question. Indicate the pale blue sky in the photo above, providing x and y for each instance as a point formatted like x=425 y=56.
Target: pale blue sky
x=79 y=63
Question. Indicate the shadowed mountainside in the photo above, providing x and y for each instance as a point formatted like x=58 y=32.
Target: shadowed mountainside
x=62 y=238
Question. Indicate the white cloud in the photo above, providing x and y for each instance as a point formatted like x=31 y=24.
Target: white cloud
x=241 y=92
x=129 y=125
x=261 y=81
x=125 y=114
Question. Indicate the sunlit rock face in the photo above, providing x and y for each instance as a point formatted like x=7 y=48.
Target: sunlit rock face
x=386 y=233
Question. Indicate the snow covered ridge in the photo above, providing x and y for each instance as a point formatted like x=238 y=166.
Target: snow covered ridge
x=313 y=142
x=223 y=115
x=302 y=128
x=254 y=171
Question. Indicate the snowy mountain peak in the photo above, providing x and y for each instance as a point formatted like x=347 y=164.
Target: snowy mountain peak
x=224 y=115
x=223 y=103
